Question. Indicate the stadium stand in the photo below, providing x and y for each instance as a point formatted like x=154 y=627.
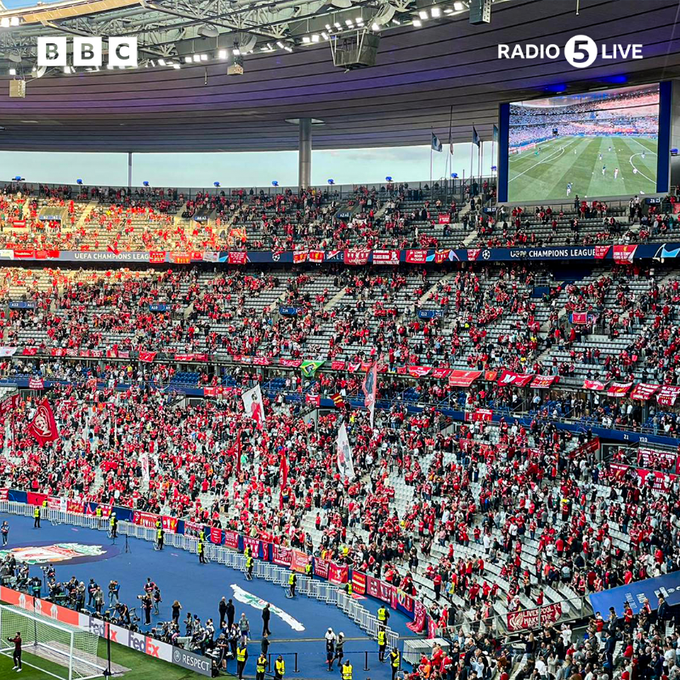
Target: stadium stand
x=481 y=519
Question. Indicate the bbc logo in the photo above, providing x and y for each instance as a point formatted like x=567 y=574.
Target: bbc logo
x=87 y=52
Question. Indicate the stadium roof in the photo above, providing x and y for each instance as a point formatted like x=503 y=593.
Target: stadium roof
x=420 y=76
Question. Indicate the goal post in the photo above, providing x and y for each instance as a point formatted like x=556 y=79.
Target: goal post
x=55 y=648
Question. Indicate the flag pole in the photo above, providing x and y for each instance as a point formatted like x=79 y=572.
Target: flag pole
x=431 y=145
x=472 y=155
x=448 y=167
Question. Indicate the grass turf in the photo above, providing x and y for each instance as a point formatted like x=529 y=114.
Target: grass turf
x=577 y=160
x=141 y=667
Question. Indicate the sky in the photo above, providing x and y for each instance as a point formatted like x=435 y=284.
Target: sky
x=195 y=170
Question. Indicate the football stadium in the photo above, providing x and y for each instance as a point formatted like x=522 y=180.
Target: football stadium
x=340 y=339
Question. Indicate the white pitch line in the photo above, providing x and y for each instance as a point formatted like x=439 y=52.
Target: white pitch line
x=653 y=153
x=554 y=154
x=639 y=172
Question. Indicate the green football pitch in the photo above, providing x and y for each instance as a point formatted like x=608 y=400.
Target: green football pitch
x=576 y=160
x=141 y=667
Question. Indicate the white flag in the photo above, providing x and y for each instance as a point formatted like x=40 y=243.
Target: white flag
x=254 y=406
x=344 y=454
x=144 y=462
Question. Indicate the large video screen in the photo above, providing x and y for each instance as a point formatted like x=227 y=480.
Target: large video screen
x=590 y=145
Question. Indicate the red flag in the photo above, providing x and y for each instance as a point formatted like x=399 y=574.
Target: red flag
x=369 y=387
x=238 y=452
x=113 y=249
x=284 y=469
x=43 y=426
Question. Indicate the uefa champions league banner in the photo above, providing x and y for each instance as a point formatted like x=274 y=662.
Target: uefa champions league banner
x=621 y=254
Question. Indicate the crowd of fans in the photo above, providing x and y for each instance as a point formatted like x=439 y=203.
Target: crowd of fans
x=391 y=217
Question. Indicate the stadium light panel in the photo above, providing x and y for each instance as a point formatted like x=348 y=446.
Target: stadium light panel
x=306 y=40
x=176 y=66
x=375 y=27
x=204 y=57
x=417 y=23
x=161 y=62
x=359 y=20
x=4 y=22
x=324 y=35
x=348 y=22
x=223 y=54
x=316 y=38
x=279 y=44
x=237 y=52
x=435 y=12
x=337 y=25
x=14 y=21
x=458 y=6
x=12 y=71
x=423 y=15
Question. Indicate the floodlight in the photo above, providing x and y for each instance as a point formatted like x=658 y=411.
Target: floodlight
x=435 y=12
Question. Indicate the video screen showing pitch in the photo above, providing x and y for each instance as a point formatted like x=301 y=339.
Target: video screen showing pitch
x=590 y=145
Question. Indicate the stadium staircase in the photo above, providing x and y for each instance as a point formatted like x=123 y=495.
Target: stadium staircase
x=86 y=213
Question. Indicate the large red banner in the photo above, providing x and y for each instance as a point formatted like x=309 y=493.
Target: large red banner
x=148 y=520
x=654 y=459
x=463 y=378
x=337 y=573
x=543 y=382
x=378 y=589
x=299 y=561
x=624 y=254
x=593 y=385
x=216 y=535
x=254 y=544
x=668 y=395
x=156 y=256
x=532 y=618
x=518 y=379
x=281 y=555
x=238 y=257
x=416 y=256
x=619 y=389
x=231 y=539
x=357 y=257
x=643 y=391
x=321 y=567
x=43 y=427
x=358 y=582
x=386 y=257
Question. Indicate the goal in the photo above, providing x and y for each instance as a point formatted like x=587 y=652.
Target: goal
x=60 y=650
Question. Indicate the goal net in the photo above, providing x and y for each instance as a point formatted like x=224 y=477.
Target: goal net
x=60 y=650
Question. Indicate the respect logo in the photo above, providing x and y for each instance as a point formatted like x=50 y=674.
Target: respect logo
x=580 y=51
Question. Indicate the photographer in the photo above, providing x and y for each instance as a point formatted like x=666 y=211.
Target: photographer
x=147 y=606
x=123 y=613
x=114 y=590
